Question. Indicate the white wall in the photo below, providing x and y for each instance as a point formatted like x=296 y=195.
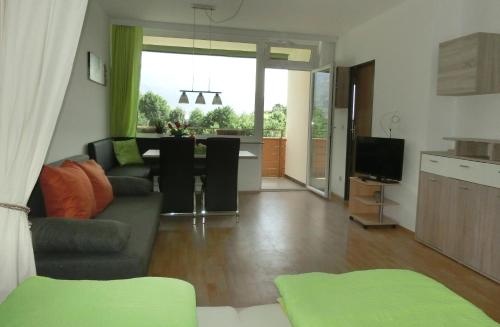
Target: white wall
x=403 y=42
x=84 y=115
x=339 y=149
x=479 y=116
x=297 y=124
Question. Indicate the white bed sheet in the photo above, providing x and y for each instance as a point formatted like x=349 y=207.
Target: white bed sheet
x=270 y=315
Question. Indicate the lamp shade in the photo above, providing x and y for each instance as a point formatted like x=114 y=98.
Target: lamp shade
x=184 y=98
x=217 y=99
x=200 y=99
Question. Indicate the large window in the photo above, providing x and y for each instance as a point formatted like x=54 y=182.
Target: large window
x=170 y=65
x=227 y=68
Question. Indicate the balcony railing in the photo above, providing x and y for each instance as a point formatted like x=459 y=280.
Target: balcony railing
x=221 y=131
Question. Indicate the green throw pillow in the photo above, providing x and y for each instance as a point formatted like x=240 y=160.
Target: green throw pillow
x=127 y=152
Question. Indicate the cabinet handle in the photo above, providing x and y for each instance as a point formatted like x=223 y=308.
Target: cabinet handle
x=464 y=166
x=433 y=180
x=464 y=188
x=435 y=161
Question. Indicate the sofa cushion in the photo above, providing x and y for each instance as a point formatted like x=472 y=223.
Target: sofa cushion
x=67 y=192
x=103 y=191
x=75 y=235
x=127 y=185
x=102 y=152
x=127 y=152
x=143 y=214
x=36 y=202
x=131 y=170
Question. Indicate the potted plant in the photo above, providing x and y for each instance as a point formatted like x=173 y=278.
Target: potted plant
x=159 y=126
x=177 y=129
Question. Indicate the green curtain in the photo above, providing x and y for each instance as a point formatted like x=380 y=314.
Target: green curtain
x=126 y=49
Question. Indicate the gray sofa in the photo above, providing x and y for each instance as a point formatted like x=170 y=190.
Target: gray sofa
x=134 y=204
x=102 y=152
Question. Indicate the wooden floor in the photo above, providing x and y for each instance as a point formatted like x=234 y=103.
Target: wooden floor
x=295 y=232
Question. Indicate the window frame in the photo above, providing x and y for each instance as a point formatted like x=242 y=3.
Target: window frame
x=288 y=64
x=264 y=41
x=254 y=137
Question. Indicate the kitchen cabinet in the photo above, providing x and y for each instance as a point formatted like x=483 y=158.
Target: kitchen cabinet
x=469 y=65
x=459 y=210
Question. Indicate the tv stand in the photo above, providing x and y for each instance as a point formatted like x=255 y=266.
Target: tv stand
x=367 y=201
x=377 y=179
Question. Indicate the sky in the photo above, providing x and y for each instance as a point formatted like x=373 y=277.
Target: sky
x=165 y=74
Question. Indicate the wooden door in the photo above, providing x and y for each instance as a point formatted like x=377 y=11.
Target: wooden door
x=364 y=79
x=433 y=209
x=490 y=235
x=462 y=239
x=360 y=112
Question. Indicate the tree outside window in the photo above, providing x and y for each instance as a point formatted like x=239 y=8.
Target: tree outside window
x=154 y=109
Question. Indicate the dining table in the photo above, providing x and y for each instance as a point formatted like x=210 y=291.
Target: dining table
x=155 y=153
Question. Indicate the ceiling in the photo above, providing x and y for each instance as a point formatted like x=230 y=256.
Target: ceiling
x=323 y=17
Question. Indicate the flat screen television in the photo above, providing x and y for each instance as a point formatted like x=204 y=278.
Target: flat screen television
x=380 y=158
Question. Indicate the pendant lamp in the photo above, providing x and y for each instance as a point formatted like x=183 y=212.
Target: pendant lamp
x=184 y=98
x=217 y=99
x=200 y=99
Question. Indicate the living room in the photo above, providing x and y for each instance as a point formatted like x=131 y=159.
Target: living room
x=233 y=263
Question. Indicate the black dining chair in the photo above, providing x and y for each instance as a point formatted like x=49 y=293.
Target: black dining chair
x=177 y=176
x=220 y=184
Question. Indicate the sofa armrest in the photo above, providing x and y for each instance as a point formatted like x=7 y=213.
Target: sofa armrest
x=127 y=185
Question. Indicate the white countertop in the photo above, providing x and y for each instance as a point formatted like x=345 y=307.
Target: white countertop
x=155 y=153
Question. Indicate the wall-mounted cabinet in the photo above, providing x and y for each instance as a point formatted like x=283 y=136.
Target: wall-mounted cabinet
x=469 y=65
x=342 y=84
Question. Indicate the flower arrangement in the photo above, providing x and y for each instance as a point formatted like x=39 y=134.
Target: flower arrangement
x=177 y=129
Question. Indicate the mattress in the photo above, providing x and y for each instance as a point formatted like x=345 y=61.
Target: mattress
x=270 y=315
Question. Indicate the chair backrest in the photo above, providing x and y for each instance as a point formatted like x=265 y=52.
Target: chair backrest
x=177 y=174
x=221 y=189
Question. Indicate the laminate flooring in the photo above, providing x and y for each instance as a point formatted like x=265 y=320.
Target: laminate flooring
x=235 y=264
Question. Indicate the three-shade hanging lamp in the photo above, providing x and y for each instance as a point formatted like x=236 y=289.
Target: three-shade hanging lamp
x=200 y=99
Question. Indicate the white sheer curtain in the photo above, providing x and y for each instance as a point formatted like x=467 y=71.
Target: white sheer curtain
x=38 y=42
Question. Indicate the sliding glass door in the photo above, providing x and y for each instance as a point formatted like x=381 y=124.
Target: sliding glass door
x=320 y=122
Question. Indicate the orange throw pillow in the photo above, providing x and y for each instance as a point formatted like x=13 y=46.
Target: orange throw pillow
x=67 y=192
x=103 y=191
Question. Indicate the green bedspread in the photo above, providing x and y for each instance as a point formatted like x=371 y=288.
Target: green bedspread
x=45 y=302
x=375 y=298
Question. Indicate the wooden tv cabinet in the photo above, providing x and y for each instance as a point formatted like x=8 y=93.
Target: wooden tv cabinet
x=365 y=207
x=459 y=210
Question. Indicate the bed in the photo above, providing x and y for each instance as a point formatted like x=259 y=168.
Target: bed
x=375 y=298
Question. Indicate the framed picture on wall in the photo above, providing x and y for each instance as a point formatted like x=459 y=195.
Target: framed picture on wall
x=96 y=68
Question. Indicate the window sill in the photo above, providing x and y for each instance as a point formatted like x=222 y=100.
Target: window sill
x=244 y=139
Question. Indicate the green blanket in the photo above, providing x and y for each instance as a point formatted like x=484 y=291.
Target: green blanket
x=375 y=298
x=45 y=302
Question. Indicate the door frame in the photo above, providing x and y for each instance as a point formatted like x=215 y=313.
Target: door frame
x=350 y=129
x=329 y=146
